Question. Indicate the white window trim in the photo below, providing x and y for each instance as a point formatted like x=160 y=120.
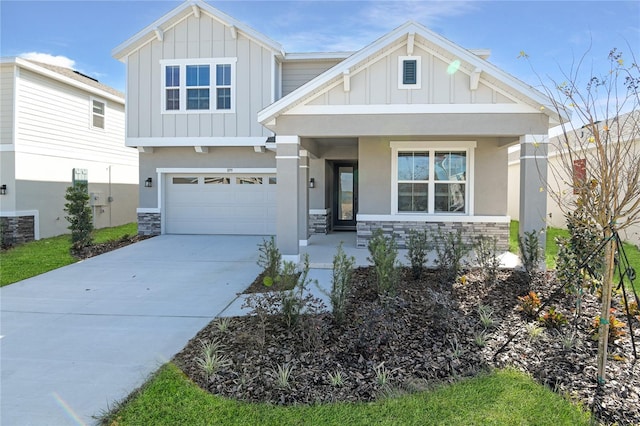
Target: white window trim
x=91 y=113
x=182 y=63
x=400 y=146
x=401 y=84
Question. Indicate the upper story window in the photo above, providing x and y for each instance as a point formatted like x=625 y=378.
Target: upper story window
x=409 y=72
x=432 y=179
x=200 y=85
x=98 y=109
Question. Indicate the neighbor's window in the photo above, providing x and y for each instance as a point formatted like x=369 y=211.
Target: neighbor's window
x=199 y=86
x=409 y=72
x=430 y=180
x=97 y=114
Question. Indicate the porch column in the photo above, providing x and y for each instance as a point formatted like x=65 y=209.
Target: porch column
x=533 y=186
x=287 y=213
x=303 y=195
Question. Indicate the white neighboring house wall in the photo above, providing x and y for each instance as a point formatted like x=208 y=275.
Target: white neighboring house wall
x=555 y=217
x=55 y=120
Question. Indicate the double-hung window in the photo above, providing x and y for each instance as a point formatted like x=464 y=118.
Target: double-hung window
x=431 y=178
x=98 y=108
x=201 y=85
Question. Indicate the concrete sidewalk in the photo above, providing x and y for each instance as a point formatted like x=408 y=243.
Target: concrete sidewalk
x=77 y=339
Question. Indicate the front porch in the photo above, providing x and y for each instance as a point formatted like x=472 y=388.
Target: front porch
x=322 y=248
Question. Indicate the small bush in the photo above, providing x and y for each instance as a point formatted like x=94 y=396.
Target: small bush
x=553 y=318
x=616 y=327
x=341 y=283
x=269 y=259
x=450 y=250
x=298 y=300
x=486 y=252
x=531 y=254
x=79 y=216
x=529 y=304
x=383 y=254
x=417 y=248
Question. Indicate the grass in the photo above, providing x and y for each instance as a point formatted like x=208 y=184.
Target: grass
x=37 y=257
x=632 y=252
x=502 y=397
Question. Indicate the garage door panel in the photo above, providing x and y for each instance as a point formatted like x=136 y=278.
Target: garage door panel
x=214 y=207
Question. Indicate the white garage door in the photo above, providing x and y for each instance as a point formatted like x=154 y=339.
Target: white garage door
x=221 y=204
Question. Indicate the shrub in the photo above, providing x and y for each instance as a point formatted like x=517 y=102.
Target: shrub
x=269 y=259
x=79 y=216
x=486 y=252
x=383 y=254
x=450 y=250
x=529 y=304
x=553 y=318
x=417 y=249
x=616 y=327
x=298 y=300
x=341 y=283
x=531 y=254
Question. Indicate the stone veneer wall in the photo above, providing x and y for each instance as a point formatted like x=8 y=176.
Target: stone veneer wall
x=17 y=230
x=469 y=230
x=320 y=223
x=149 y=224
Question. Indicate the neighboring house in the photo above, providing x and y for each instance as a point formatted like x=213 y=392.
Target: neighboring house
x=54 y=120
x=240 y=137
x=558 y=181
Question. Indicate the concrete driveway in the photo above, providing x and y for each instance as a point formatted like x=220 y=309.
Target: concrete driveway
x=78 y=339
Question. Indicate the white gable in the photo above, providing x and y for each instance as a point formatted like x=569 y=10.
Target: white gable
x=452 y=79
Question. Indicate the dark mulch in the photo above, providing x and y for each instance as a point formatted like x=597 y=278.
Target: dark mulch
x=101 y=248
x=428 y=333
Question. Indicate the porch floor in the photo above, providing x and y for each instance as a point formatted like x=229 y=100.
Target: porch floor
x=322 y=248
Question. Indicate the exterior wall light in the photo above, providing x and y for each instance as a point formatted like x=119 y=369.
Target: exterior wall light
x=312 y=183
x=148 y=183
x=3 y=189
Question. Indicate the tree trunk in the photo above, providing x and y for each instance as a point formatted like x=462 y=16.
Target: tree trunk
x=607 y=286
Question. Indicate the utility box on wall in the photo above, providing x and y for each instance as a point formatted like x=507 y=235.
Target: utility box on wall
x=97 y=199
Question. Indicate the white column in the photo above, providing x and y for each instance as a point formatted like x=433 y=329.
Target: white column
x=288 y=182
x=303 y=196
x=533 y=186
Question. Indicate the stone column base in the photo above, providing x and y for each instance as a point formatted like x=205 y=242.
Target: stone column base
x=149 y=224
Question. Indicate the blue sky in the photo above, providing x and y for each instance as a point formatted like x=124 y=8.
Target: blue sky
x=554 y=34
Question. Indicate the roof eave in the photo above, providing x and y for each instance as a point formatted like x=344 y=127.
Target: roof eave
x=149 y=32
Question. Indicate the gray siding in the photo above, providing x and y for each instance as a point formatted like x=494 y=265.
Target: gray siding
x=297 y=73
x=201 y=37
x=243 y=157
x=7 y=93
x=376 y=82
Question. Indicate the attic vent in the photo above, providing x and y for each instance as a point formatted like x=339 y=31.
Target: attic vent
x=85 y=76
x=409 y=71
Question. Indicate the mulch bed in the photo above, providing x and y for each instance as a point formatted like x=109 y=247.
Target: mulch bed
x=428 y=333
x=101 y=248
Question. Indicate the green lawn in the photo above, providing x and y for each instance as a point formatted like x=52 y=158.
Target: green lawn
x=632 y=252
x=37 y=257
x=503 y=397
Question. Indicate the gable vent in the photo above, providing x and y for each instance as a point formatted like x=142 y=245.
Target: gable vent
x=409 y=71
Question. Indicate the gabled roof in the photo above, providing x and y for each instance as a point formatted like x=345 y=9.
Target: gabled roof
x=474 y=58
x=186 y=9
x=67 y=76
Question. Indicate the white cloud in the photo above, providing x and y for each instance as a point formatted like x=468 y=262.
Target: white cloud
x=393 y=14
x=61 y=61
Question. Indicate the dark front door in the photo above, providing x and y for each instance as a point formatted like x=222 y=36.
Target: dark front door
x=345 y=195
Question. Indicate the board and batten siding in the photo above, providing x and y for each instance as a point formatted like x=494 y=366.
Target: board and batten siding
x=7 y=96
x=195 y=38
x=376 y=82
x=54 y=124
x=297 y=73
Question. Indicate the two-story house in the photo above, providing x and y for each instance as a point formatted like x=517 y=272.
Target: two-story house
x=239 y=136
x=57 y=125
